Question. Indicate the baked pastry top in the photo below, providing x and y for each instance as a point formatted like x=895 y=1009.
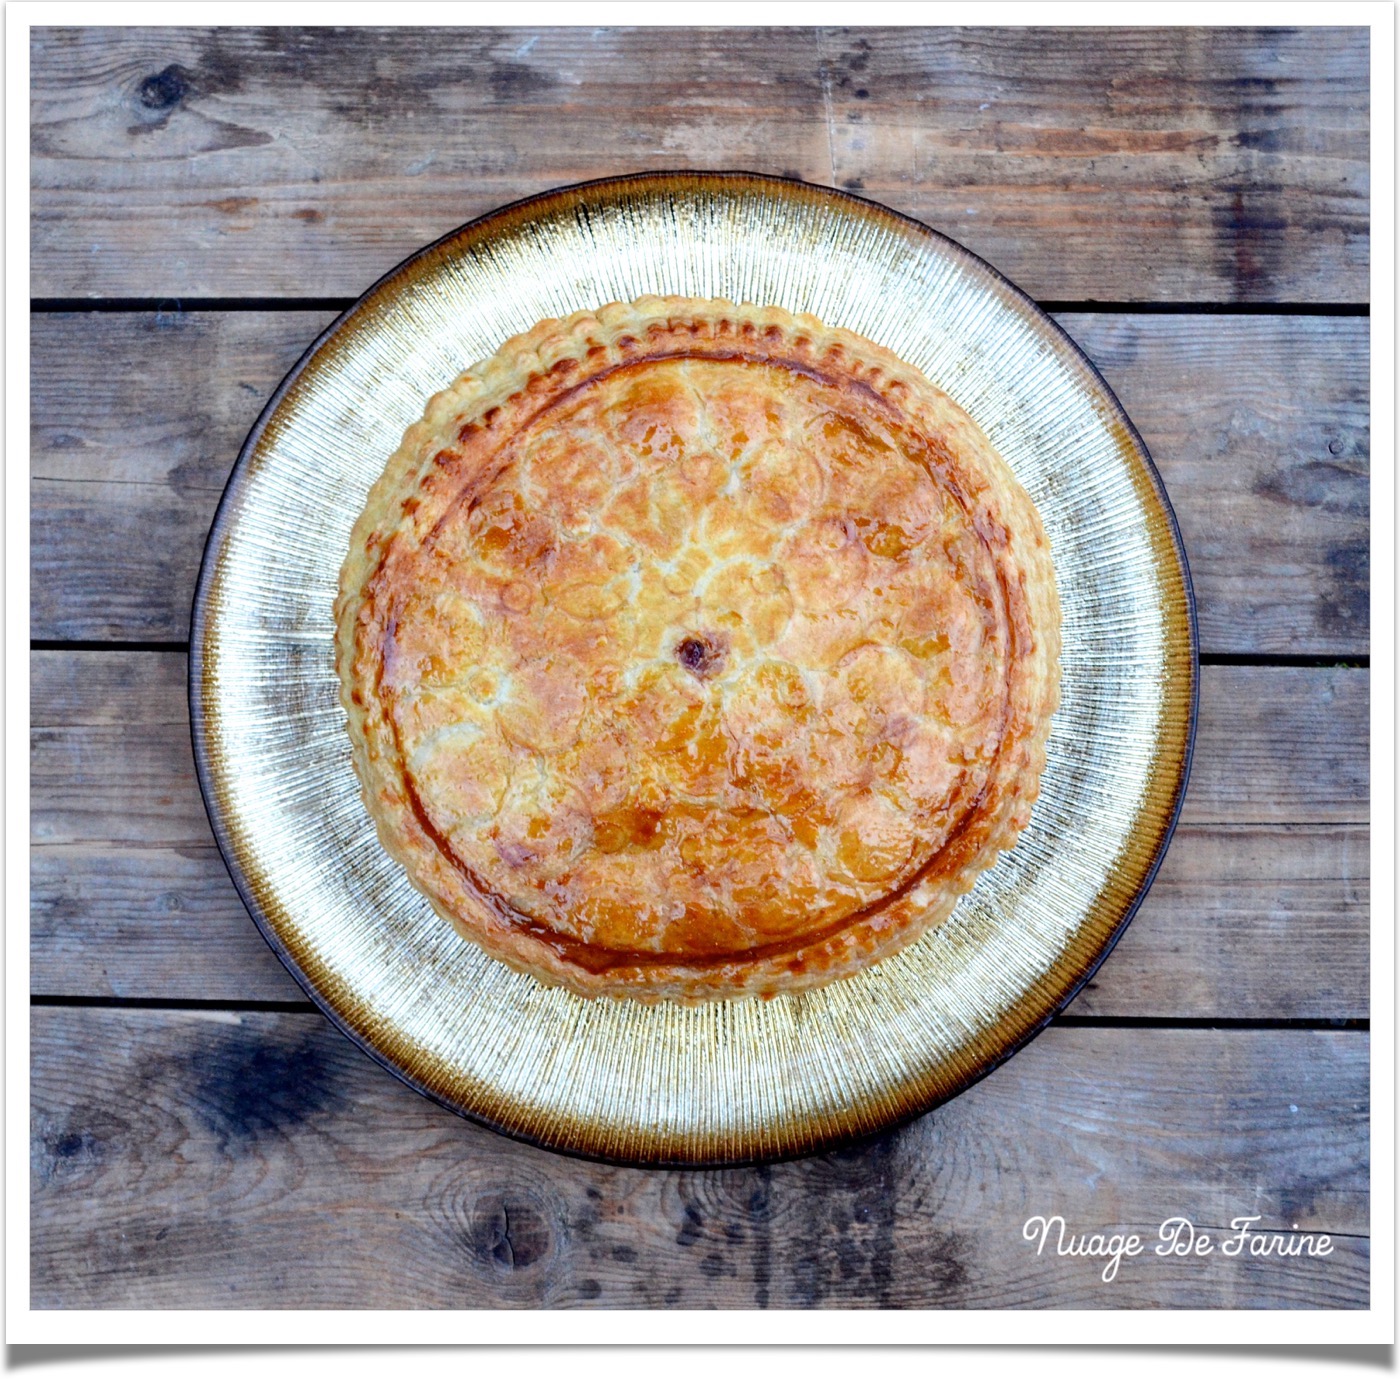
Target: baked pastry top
x=692 y=650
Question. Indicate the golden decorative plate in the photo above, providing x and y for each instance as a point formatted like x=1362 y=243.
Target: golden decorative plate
x=721 y=1082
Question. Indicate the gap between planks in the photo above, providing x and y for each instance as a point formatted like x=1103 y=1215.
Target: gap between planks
x=1091 y=1021
x=42 y=306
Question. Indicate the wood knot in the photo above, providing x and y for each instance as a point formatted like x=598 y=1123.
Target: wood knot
x=163 y=90
x=511 y=1232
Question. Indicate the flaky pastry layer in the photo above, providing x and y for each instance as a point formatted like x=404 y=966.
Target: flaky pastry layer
x=691 y=650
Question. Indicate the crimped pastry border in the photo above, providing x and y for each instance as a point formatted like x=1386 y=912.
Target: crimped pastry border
x=461 y=427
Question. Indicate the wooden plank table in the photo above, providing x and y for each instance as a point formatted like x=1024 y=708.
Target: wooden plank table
x=1193 y=206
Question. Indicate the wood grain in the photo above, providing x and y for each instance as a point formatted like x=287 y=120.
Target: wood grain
x=1258 y=424
x=126 y=921
x=124 y=487
x=1261 y=430
x=1261 y=909
x=253 y=1160
x=1132 y=164
x=1247 y=922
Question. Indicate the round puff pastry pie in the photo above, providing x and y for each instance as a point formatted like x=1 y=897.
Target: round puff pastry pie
x=692 y=651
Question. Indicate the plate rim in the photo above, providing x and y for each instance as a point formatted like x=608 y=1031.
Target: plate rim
x=238 y=480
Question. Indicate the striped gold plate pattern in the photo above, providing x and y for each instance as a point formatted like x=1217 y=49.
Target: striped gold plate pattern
x=721 y=1082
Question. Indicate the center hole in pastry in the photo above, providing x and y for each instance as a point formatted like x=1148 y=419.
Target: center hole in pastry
x=701 y=653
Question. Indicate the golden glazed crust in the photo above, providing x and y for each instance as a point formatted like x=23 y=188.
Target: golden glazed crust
x=692 y=650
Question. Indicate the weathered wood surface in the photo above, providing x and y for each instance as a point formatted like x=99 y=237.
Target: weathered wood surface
x=1261 y=909
x=1261 y=430
x=1122 y=165
x=259 y=1160
x=1258 y=424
